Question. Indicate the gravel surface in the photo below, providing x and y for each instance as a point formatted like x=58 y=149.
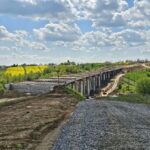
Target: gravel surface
x=106 y=125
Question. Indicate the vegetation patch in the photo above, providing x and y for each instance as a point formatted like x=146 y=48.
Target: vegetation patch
x=143 y=86
x=132 y=98
x=74 y=93
x=134 y=87
x=132 y=82
x=1 y=89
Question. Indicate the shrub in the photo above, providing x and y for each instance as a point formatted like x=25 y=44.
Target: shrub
x=1 y=89
x=143 y=86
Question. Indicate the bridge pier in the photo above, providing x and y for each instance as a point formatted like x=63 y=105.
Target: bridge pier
x=88 y=85
x=108 y=75
x=81 y=87
x=103 y=79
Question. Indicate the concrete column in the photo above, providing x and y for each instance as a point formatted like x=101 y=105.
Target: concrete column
x=77 y=86
x=88 y=87
x=104 y=77
x=81 y=87
x=111 y=74
x=91 y=84
x=108 y=75
x=99 y=80
x=97 y=83
x=94 y=83
x=84 y=87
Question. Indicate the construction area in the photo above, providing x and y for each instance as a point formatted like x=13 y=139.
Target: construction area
x=50 y=121
x=25 y=122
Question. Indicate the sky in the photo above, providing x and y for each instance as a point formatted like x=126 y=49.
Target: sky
x=54 y=31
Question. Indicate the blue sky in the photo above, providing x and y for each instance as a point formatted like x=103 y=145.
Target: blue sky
x=45 y=31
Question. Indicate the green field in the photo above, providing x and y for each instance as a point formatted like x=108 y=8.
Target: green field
x=129 y=81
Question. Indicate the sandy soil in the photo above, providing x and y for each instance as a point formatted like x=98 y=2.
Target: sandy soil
x=25 y=123
x=145 y=66
x=111 y=86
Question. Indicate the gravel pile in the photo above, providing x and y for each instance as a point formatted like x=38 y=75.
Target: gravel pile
x=106 y=125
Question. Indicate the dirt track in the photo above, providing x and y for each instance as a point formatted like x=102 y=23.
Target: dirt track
x=145 y=66
x=111 y=86
x=106 y=125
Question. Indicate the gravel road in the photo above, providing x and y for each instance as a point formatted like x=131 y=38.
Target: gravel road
x=106 y=125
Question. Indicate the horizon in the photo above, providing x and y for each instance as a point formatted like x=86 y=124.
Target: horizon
x=76 y=63
x=86 y=31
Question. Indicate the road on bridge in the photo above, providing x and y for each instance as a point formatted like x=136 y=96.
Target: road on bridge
x=109 y=125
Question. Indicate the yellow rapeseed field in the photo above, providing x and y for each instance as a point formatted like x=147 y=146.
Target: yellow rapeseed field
x=15 y=71
x=35 y=69
x=19 y=70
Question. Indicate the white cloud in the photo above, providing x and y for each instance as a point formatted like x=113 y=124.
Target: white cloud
x=20 y=39
x=139 y=14
x=108 y=40
x=38 y=9
x=4 y=49
x=130 y=37
x=107 y=13
x=141 y=23
x=5 y=35
x=58 y=32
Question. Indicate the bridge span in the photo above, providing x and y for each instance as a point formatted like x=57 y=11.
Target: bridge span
x=86 y=84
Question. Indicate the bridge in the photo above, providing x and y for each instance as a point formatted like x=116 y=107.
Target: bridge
x=86 y=84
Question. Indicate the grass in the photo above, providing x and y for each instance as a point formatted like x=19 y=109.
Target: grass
x=127 y=88
x=136 y=75
x=132 y=98
x=74 y=93
x=129 y=81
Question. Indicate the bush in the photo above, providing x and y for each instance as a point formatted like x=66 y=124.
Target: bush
x=1 y=89
x=143 y=86
x=3 y=81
